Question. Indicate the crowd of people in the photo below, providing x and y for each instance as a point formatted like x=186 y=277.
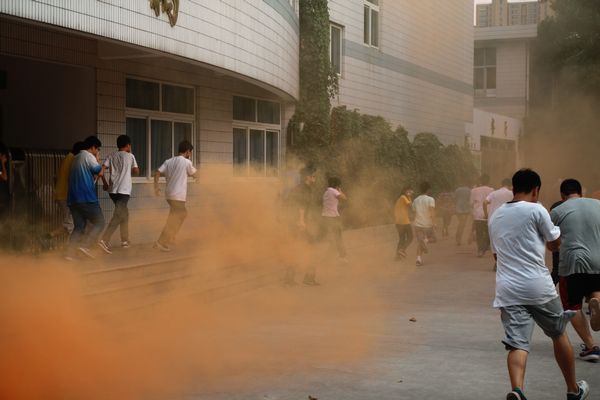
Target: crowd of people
x=77 y=200
x=517 y=228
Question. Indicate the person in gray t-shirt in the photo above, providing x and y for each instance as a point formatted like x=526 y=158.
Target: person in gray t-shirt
x=462 y=204
x=579 y=262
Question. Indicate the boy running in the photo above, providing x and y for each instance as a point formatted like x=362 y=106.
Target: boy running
x=579 y=261
x=122 y=166
x=331 y=215
x=83 y=201
x=402 y=219
x=525 y=293
x=176 y=171
x=424 y=208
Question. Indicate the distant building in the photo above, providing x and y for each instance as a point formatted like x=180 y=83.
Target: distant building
x=407 y=61
x=503 y=13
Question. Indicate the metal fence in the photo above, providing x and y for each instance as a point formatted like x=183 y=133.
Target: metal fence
x=32 y=209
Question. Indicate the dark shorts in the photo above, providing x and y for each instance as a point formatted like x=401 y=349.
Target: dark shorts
x=574 y=288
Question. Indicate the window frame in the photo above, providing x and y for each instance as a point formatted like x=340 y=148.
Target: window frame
x=485 y=67
x=368 y=41
x=332 y=26
x=264 y=128
x=172 y=117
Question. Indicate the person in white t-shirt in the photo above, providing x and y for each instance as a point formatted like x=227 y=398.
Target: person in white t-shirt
x=176 y=171
x=121 y=166
x=480 y=223
x=332 y=222
x=424 y=208
x=498 y=197
x=520 y=231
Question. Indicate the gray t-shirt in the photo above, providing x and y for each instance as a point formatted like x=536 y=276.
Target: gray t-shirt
x=579 y=222
x=462 y=200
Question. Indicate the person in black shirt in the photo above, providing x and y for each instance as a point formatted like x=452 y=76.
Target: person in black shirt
x=301 y=234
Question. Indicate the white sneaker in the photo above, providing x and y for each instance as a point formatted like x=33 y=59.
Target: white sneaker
x=125 y=244
x=104 y=246
x=86 y=252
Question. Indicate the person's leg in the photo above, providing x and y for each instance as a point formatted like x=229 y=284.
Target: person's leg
x=595 y=311
x=480 y=227
x=400 y=240
x=114 y=221
x=517 y=364
x=175 y=219
x=78 y=229
x=408 y=232
x=581 y=326
x=462 y=221
x=93 y=213
x=339 y=237
x=563 y=353
x=124 y=211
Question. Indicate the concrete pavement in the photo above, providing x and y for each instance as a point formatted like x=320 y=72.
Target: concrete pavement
x=451 y=351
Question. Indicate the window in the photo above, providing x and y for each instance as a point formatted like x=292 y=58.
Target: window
x=253 y=110
x=335 y=48
x=255 y=151
x=371 y=22
x=484 y=71
x=158 y=117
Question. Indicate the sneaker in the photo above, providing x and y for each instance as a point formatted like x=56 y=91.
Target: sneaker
x=125 y=244
x=104 y=246
x=516 y=394
x=161 y=247
x=595 y=314
x=86 y=252
x=584 y=392
x=591 y=355
x=419 y=263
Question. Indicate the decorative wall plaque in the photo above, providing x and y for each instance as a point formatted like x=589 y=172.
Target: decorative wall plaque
x=169 y=7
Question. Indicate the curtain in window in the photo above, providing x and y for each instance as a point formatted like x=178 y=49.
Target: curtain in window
x=161 y=141
x=257 y=152
x=136 y=129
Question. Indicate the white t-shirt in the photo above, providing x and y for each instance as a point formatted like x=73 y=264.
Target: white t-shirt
x=176 y=171
x=518 y=232
x=422 y=206
x=497 y=198
x=330 y=203
x=119 y=165
x=478 y=195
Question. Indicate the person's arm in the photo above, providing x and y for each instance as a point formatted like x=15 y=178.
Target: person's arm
x=341 y=195
x=156 y=178
x=553 y=245
x=135 y=170
x=485 y=208
x=3 y=172
x=301 y=221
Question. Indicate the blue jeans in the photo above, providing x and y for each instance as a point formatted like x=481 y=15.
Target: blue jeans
x=82 y=214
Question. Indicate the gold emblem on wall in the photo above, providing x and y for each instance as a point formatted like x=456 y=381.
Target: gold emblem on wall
x=169 y=7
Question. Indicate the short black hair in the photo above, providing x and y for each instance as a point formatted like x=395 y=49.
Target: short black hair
x=184 y=146
x=570 y=186
x=91 y=141
x=484 y=179
x=525 y=180
x=123 y=141
x=506 y=182
x=77 y=147
x=424 y=187
x=334 y=182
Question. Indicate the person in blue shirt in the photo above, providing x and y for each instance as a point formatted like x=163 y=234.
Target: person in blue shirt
x=83 y=201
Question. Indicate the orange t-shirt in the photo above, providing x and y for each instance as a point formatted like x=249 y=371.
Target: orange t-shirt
x=401 y=208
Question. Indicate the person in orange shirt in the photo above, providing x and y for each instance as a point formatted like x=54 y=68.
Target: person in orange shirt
x=402 y=220
x=61 y=189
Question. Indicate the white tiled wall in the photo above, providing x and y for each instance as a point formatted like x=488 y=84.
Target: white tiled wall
x=434 y=38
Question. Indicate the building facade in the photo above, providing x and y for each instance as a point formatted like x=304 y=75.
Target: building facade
x=222 y=74
x=503 y=13
x=407 y=61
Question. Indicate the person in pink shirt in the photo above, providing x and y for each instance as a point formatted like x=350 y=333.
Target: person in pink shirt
x=478 y=196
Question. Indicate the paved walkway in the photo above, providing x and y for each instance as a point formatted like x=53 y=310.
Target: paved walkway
x=353 y=338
